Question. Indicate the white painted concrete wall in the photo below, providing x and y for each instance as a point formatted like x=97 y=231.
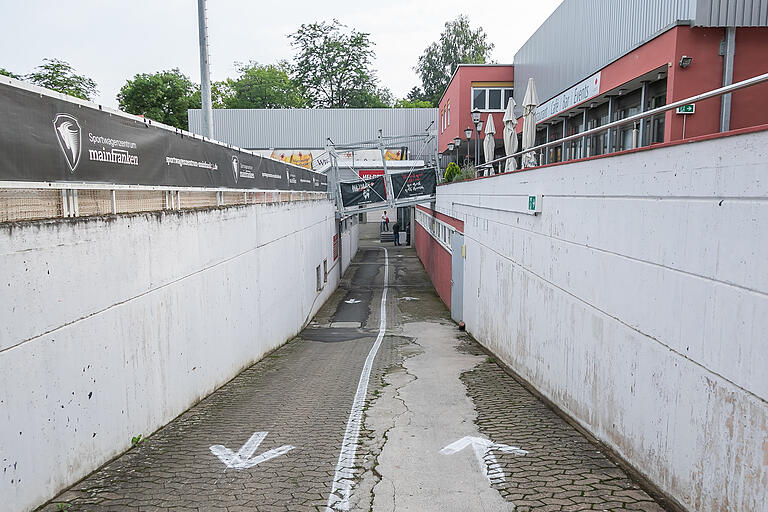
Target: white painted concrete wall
x=111 y=327
x=349 y=242
x=638 y=303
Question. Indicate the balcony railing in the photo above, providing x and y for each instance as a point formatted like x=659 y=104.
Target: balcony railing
x=614 y=125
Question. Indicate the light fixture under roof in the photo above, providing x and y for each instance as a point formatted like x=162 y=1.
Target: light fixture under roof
x=622 y=91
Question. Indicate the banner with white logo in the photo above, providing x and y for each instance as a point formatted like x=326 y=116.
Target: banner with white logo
x=45 y=139
x=357 y=193
x=416 y=183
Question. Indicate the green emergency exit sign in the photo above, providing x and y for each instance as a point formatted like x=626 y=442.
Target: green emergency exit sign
x=687 y=109
x=532 y=203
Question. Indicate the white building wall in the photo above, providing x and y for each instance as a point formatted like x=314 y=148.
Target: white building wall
x=111 y=327
x=637 y=301
x=349 y=242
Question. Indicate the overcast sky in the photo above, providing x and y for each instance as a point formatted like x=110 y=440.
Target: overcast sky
x=111 y=41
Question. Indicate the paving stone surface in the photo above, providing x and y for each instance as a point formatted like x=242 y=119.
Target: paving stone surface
x=563 y=471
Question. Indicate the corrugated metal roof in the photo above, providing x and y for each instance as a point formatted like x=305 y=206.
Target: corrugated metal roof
x=731 y=13
x=583 y=36
x=310 y=128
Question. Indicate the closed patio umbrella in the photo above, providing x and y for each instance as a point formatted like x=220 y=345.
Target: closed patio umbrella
x=489 y=143
x=530 y=103
x=510 y=134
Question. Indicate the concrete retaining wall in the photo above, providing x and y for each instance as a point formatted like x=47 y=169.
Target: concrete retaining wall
x=350 y=236
x=111 y=327
x=637 y=301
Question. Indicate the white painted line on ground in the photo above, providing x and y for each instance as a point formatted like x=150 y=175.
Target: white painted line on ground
x=483 y=449
x=344 y=477
x=242 y=459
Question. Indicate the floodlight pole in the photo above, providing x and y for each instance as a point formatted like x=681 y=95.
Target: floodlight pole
x=387 y=176
x=334 y=181
x=205 y=71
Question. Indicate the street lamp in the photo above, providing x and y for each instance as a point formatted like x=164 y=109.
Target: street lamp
x=468 y=135
x=478 y=127
x=457 y=143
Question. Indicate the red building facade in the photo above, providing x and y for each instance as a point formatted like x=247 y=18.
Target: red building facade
x=649 y=76
x=487 y=85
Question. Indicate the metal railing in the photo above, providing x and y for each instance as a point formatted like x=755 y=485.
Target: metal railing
x=628 y=120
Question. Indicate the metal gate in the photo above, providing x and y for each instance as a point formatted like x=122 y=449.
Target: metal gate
x=457 y=276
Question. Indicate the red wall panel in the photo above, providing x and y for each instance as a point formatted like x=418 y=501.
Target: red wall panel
x=749 y=107
x=437 y=262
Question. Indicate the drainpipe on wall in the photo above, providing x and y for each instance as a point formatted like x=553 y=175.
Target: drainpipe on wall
x=727 y=50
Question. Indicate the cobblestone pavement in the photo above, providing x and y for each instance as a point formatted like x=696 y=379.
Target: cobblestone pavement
x=563 y=471
x=301 y=395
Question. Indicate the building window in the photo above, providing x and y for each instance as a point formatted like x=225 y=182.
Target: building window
x=490 y=98
x=628 y=105
x=494 y=99
x=654 y=126
x=448 y=115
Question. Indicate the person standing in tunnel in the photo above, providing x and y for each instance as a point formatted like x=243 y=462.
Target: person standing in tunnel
x=396 y=232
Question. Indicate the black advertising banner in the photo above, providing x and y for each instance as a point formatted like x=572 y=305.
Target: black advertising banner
x=362 y=192
x=51 y=140
x=420 y=182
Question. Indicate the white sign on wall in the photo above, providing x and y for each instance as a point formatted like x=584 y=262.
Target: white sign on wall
x=580 y=92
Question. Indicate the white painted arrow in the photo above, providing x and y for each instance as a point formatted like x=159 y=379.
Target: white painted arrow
x=353 y=301
x=483 y=449
x=244 y=459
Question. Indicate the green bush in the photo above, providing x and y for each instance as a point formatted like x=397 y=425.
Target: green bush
x=465 y=173
x=451 y=172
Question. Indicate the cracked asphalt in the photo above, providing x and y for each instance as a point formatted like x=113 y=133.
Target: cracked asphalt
x=430 y=384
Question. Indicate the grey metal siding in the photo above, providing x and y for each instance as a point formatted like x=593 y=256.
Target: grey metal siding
x=309 y=128
x=732 y=13
x=583 y=36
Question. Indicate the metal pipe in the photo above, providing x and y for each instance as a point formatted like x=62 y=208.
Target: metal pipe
x=564 y=149
x=609 y=135
x=631 y=119
x=725 y=101
x=643 y=100
x=205 y=72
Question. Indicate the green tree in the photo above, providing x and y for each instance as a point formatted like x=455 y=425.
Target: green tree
x=458 y=44
x=416 y=95
x=5 y=72
x=406 y=103
x=451 y=172
x=333 y=66
x=59 y=76
x=264 y=86
x=378 y=97
x=164 y=96
x=221 y=94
